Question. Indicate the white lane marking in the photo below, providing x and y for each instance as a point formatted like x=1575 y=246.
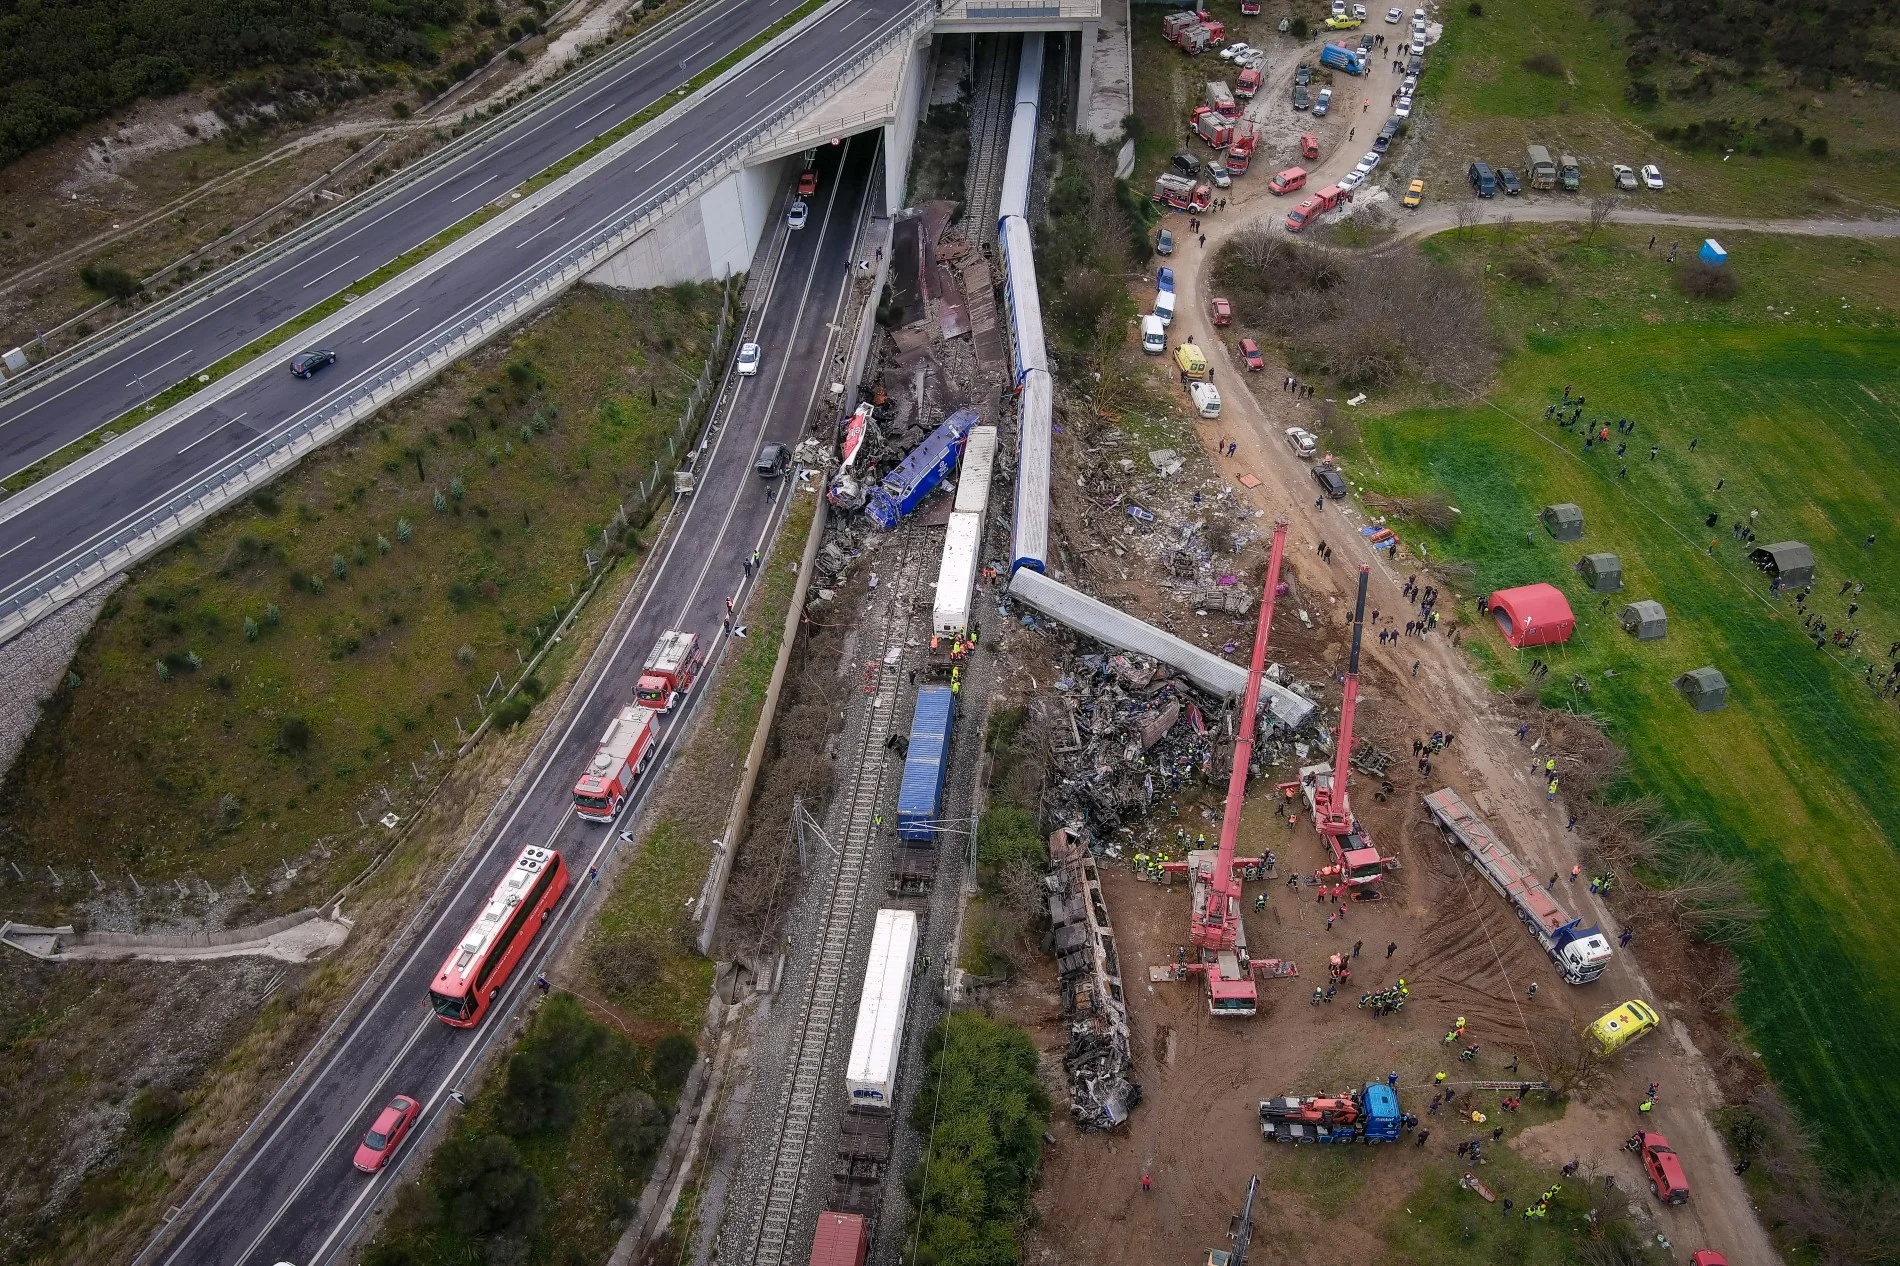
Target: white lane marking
x=393 y=324
x=611 y=105
x=768 y=79
x=656 y=158
x=345 y=264
x=140 y=380
x=22 y=545
x=473 y=188
x=213 y=431
x=696 y=52
x=538 y=232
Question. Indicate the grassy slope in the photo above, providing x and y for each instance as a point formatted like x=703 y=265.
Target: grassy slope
x=371 y=664
x=1477 y=88
x=1796 y=415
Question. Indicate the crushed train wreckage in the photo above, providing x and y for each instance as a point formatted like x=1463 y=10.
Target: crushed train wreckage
x=1101 y=1091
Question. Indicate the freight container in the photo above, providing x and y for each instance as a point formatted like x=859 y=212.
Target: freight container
x=870 y=1078
x=920 y=794
x=956 y=576
x=973 y=479
x=920 y=472
x=841 y=1240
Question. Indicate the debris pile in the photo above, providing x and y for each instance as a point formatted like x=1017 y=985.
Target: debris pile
x=1098 y=1060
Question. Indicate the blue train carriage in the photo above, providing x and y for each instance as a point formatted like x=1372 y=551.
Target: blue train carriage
x=920 y=795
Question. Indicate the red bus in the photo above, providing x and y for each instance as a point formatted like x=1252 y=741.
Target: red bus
x=478 y=967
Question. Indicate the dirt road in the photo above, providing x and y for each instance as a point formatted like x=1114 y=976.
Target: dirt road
x=1431 y=682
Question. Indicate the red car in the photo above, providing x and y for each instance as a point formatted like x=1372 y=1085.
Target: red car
x=1663 y=1169
x=1250 y=352
x=1708 y=1257
x=807 y=183
x=392 y=1124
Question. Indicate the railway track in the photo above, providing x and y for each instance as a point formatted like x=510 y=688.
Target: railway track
x=824 y=1013
x=990 y=109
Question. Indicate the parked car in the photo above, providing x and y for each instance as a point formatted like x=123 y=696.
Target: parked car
x=1415 y=193
x=1403 y=110
x=1187 y=165
x=1409 y=86
x=1322 y=103
x=1351 y=181
x=304 y=364
x=1330 y=481
x=1418 y=15
x=796 y=217
x=1302 y=441
x=749 y=357
x=1415 y=64
x=1164 y=279
x=1652 y=176
x=1365 y=44
x=1341 y=24
x=1339 y=8
x=1625 y=178
x=1301 y=97
x=1234 y=50
x=1508 y=179
x=774 y=460
x=386 y=1135
x=1302 y=74
x=1394 y=16
x=1418 y=46
x=1223 y=311
x=1359 y=11
x=1164 y=242
x=1367 y=163
x=1662 y=1167
x=1309 y=144
x=1217 y=173
x=1250 y=354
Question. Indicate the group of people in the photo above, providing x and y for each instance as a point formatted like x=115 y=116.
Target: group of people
x=1387 y=1001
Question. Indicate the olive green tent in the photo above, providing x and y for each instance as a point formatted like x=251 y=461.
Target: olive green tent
x=1602 y=572
x=1706 y=689
x=1564 y=520
x=1791 y=561
x=1644 y=619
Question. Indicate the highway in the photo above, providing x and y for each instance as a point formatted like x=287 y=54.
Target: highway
x=37 y=540
x=290 y=1192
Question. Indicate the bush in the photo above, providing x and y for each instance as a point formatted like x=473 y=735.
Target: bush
x=155 y=1107
x=623 y=963
x=293 y=734
x=1641 y=93
x=539 y=1092
x=110 y=280
x=1298 y=28
x=673 y=1061
x=399 y=109
x=1008 y=833
x=1817 y=146
x=1475 y=9
x=1702 y=280
x=513 y=711
x=483 y=1189
x=636 y=1127
x=1545 y=63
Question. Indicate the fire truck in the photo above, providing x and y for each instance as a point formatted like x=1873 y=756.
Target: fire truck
x=670 y=669
x=628 y=746
x=1181 y=193
x=1213 y=127
x=1240 y=150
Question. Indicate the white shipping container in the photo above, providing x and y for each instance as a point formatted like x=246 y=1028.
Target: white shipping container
x=973 y=480
x=871 y=1077
x=956 y=578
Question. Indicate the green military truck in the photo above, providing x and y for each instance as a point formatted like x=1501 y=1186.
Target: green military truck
x=1543 y=172
x=1572 y=173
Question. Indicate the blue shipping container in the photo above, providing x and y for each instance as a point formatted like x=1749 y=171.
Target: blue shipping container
x=922 y=470
x=920 y=795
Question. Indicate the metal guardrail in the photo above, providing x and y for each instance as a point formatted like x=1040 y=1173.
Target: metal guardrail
x=240 y=476
x=269 y=253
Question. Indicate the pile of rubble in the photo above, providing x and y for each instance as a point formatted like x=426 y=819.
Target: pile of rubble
x=1139 y=733
x=1098 y=1061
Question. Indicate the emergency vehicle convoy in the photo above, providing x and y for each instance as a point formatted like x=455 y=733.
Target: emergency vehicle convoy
x=632 y=738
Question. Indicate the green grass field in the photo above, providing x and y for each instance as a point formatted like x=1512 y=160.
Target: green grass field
x=1479 y=89
x=1795 y=415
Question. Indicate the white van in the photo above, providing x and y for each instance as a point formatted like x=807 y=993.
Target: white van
x=1206 y=397
x=1164 y=306
x=1154 y=335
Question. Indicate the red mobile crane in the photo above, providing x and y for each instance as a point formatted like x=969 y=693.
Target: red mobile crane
x=1361 y=866
x=1214 y=926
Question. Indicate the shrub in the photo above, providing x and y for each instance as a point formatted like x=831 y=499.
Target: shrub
x=230 y=809
x=1641 y=93
x=465 y=655
x=265 y=501
x=403 y=530
x=457 y=489
x=1475 y=9
x=164 y=671
x=539 y=1091
x=271 y=614
x=513 y=710
x=316 y=584
x=1702 y=280
x=673 y=1061
x=155 y=1107
x=1298 y=28
x=1007 y=833
x=1526 y=270
x=250 y=629
x=293 y=734
x=382 y=543
x=1546 y=63
x=111 y=281
x=636 y=1127
x=399 y=109
x=483 y=1189
x=439 y=502
x=339 y=568
x=623 y=964
x=1817 y=146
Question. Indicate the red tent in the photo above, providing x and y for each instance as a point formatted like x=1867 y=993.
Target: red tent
x=1533 y=615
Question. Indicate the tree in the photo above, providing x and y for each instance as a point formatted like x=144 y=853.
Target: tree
x=1602 y=207
x=483 y=1189
x=1468 y=215
x=636 y=1127
x=673 y=1061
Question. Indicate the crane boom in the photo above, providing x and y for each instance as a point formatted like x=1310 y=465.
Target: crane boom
x=1216 y=921
x=1332 y=808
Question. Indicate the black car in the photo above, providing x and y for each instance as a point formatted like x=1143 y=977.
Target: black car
x=1508 y=179
x=1301 y=98
x=774 y=460
x=1330 y=481
x=304 y=364
x=1187 y=165
x=1303 y=74
x=1415 y=65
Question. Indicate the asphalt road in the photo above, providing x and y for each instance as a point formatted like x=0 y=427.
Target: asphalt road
x=39 y=539
x=292 y=1195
